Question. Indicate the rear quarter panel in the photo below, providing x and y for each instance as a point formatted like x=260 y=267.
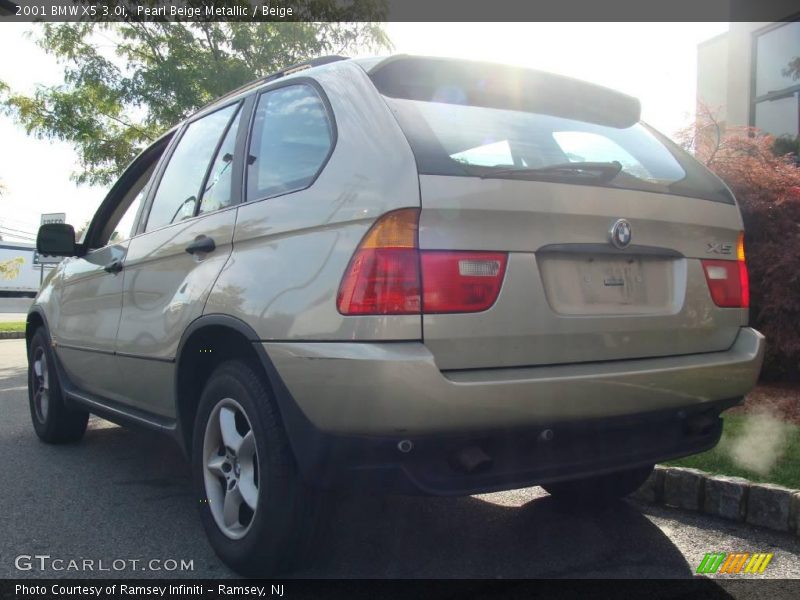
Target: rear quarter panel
x=290 y=251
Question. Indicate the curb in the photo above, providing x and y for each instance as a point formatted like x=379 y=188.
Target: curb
x=12 y=335
x=732 y=498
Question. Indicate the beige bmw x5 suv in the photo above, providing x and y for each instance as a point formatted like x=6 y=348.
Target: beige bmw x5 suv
x=414 y=274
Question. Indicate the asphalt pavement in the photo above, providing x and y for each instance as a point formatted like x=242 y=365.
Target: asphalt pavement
x=124 y=495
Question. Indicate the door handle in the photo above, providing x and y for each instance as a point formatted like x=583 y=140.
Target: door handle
x=114 y=267
x=202 y=243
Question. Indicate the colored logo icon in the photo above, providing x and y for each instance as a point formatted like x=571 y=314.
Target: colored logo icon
x=736 y=562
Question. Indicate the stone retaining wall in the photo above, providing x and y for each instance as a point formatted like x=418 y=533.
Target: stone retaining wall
x=733 y=498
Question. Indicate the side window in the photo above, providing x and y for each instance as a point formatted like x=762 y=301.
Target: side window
x=290 y=141
x=121 y=223
x=124 y=229
x=217 y=189
x=178 y=192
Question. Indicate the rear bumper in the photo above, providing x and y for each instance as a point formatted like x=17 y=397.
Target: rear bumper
x=479 y=462
x=396 y=388
x=348 y=405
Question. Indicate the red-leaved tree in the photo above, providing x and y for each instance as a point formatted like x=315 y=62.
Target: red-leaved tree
x=767 y=188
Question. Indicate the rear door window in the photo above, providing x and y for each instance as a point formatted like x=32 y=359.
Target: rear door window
x=180 y=187
x=291 y=139
x=217 y=191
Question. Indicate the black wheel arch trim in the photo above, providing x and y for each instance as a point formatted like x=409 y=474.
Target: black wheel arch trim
x=305 y=440
x=39 y=311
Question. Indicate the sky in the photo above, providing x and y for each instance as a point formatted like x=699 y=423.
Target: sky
x=655 y=62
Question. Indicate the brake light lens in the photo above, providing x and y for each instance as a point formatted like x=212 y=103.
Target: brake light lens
x=381 y=281
x=727 y=280
x=383 y=275
x=389 y=275
x=744 y=279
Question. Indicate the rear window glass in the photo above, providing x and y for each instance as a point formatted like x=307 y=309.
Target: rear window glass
x=585 y=146
x=488 y=137
x=465 y=120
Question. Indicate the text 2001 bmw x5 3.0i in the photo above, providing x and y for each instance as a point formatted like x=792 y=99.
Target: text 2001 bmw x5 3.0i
x=417 y=275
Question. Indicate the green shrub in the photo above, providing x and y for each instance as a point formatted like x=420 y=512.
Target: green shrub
x=767 y=187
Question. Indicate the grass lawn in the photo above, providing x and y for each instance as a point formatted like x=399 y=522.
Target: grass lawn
x=12 y=326
x=749 y=443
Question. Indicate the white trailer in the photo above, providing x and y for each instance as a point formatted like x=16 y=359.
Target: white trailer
x=28 y=275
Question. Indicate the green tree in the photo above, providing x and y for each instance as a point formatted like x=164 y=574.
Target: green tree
x=792 y=69
x=126 y=83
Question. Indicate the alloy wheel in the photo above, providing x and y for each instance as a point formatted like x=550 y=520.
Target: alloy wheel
x=230 y=468
x=41 y=385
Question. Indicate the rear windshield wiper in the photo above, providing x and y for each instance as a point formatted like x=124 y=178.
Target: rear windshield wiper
x=600 y=171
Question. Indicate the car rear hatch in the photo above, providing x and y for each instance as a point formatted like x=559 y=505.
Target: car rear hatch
x=605 y=223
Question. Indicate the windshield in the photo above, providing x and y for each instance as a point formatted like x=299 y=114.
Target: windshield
x=451 y=138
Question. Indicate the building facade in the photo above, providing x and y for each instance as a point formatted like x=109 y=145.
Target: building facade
x=750 y=76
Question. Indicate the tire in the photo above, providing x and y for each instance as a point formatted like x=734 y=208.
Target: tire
x=601 y=489
x=269 y=530
x=53 y=421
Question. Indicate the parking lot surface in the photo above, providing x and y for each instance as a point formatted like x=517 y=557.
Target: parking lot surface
x=125 y=495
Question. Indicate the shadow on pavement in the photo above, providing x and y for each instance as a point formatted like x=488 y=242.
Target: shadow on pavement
x=402 y=537
x=146 y=477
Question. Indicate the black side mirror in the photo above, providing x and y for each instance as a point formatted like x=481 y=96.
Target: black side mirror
x=56 y=239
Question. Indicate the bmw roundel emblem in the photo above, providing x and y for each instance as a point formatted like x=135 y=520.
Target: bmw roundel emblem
x=620 y=233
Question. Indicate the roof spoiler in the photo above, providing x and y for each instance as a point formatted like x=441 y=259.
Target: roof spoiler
x=456 y=81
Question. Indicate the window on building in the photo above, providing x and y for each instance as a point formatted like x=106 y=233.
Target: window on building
x=779 y=116
x=776 y=102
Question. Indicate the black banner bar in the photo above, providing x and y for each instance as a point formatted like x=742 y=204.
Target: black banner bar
x=109 y=589
x=398 y=10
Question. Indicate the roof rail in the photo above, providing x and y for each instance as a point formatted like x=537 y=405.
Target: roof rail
x=295 y=68
x=308 y=64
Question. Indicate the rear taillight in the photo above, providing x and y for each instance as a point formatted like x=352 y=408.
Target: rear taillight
x=383 y=275
x=727 y=279
x=389 y=275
